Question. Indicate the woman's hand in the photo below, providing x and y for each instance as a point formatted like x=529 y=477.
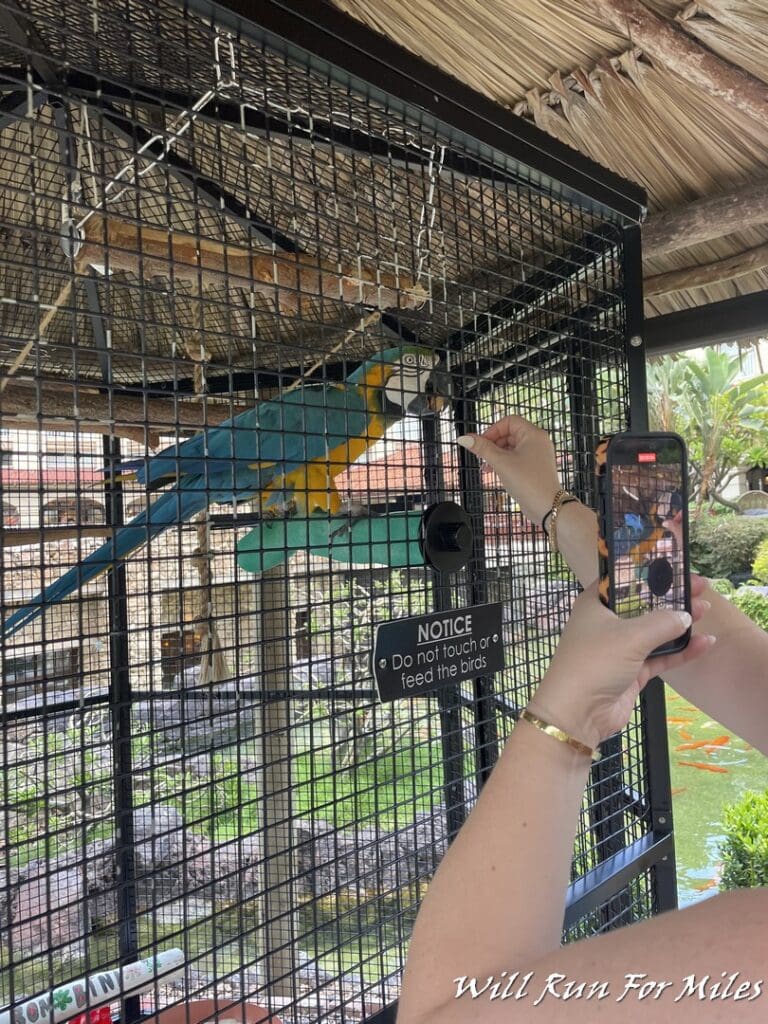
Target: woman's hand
x=601 y=664
x=523 y=458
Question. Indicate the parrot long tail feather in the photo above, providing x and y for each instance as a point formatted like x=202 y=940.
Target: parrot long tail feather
x=173 y=507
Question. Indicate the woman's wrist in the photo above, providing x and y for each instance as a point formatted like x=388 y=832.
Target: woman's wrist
x=557 y=702
x=542 y=504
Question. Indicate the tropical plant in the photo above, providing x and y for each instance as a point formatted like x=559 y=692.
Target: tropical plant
x=753 y=604
x=723 y=420
x=724 y=546
x=745 y=851
x=760 y=564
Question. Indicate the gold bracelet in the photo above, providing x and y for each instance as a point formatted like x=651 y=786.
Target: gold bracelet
x=561 y=498
x=559 y=734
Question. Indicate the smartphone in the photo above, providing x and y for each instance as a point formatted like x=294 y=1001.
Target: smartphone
x=643 y=531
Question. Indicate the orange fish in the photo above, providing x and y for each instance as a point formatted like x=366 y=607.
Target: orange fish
x=684 y=734
x=709 y=884
x=718 y=741
x=689 y=707
x=679 y=721
x=704 y=767
x=679 y=789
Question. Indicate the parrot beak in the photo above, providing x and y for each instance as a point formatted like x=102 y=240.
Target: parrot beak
x=438 y=389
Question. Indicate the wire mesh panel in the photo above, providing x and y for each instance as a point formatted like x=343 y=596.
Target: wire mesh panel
x=246 y=306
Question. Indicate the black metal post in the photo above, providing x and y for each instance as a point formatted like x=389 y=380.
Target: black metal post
x=449 y=697
x=607 y=805
x=652 y=700
x=120 y=682
x=471 y=490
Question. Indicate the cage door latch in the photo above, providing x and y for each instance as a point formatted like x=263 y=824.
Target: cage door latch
x=446 y=536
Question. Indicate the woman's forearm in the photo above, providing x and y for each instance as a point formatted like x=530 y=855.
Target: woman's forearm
x=481 y=914
x=729 y=682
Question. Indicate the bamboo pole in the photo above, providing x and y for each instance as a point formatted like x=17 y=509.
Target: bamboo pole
x=708 y=273
x=705 y=219
x=669 y=46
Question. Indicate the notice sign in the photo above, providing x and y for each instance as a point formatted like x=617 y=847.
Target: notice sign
x=416 y=656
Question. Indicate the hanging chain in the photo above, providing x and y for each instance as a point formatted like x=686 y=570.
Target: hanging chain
x=426 y=223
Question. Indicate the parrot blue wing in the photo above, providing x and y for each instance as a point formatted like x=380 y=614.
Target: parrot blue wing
x=285 y=433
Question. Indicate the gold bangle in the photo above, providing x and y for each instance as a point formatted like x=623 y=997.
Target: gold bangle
x=559 y=734
x=561 y=498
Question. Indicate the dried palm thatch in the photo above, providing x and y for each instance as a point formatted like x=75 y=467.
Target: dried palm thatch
x=575 y=77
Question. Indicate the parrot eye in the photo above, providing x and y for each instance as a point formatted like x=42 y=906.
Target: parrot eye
x=409 y=359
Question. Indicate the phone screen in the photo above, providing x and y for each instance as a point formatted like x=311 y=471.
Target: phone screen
x=648 y=524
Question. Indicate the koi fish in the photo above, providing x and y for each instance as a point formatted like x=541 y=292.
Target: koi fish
x=678 y=789
x=704 y=767
x=710 y=883
x=684 y=734
x=718 y=741
x=679 y=721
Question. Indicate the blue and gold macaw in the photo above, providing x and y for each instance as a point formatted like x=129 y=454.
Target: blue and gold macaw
x=284 y=452
x=639 y=533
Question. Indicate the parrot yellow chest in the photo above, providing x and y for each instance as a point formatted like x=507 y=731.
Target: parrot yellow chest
x=312 y=484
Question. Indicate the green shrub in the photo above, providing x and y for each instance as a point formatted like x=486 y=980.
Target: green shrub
x=754 y=605
x=724 y=587
x=726 y=545
x=557 y=567
x=760 y=564
x=745 y=850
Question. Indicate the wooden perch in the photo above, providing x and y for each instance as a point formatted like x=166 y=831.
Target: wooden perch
x=53 y=534
x=68 y=409
x=709 y=273
x=296 y=279
x=671 y=47
x=705 y=219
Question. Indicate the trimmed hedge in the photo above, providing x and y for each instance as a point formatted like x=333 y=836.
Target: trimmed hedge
x=760 y=565
x=726 y=545
x=745 y=850
x=753 y=604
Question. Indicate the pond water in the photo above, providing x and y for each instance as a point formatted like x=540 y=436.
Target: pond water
x=704 y=779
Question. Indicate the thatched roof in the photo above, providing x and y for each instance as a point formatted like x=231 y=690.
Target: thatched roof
x=562 y=65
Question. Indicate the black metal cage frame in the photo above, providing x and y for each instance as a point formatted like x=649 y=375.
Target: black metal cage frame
x=503 y=340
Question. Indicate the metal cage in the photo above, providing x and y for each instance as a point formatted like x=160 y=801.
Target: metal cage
x=202 y=217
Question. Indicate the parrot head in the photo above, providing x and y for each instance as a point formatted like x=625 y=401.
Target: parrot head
x=411 y=381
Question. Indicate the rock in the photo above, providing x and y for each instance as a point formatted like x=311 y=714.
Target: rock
x=367 y=858
x=195 y=720
x=49 y=912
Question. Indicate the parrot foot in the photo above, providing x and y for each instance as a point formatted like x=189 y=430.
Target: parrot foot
x=354 y=511
x=284 y=511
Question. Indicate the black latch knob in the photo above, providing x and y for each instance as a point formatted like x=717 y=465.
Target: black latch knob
x=446 y=536
x=455 y=536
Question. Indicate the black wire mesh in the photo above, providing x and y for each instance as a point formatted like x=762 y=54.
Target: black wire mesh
x=196 y=224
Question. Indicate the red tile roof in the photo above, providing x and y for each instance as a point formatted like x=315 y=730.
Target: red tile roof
x=402 y=472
